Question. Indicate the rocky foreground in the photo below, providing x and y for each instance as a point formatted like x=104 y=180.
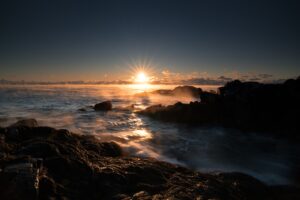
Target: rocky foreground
x=45 y=163
x=248 y=106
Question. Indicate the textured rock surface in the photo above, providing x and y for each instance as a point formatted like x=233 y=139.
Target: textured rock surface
x=44 y=163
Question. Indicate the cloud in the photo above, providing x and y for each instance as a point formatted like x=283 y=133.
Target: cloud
x=255 y=79
x=224 y=78
x=265 y=76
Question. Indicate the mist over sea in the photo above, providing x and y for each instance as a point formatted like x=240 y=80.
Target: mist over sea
x=208 y=149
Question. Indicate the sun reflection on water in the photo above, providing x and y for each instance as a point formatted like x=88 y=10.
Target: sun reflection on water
x=142 y=87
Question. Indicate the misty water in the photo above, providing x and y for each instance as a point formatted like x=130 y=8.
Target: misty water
x=207 y=149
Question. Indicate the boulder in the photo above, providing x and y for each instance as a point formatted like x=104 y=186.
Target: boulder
x=187 y=91
x=25 y=122
x=180 y=91
x=103 y=106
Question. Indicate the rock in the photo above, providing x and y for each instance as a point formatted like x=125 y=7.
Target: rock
x=209 y=98
x=19 y=181
x=153 y=109
x=180 y=91
x=39 y=149
x=140 y=195
x=56 y=164
x=249 y=106
x=105 y=148
x=103 y=106
x=47 y=187
x=187 y=91
x=25 y=122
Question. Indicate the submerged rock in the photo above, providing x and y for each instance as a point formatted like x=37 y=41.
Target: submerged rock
x=103 y=106
x=56 y=164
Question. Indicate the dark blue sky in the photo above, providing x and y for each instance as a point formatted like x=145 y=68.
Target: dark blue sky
x=72 y=40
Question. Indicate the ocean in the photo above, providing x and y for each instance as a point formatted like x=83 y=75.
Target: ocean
x=207 y=149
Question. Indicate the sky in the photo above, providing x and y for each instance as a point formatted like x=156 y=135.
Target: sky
x=56 y=40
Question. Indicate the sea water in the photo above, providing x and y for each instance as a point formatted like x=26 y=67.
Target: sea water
x=207 y=149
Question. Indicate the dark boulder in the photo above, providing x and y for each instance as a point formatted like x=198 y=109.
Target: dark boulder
x=103 y=106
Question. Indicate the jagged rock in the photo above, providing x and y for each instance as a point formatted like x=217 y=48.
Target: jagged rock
x=249 y=106
x=103 y=106
x=56 y=164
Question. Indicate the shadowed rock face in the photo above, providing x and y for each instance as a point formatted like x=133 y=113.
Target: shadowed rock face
x=44 y=163
x=247 y=106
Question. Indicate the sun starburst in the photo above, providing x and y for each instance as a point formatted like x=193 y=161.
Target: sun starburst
x=142 y=72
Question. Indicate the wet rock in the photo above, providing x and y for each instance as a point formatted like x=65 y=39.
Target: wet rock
x=19 y=181
x=57 y=164
x=103 y=106
x=104 y=148
x=38 y=149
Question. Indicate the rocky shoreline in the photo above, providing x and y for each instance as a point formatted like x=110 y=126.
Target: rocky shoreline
x=45 y=163
x=249 y=106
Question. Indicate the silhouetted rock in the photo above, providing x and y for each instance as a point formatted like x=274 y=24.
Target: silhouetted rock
x=55 y=164
x=249 y=106
x=103 y=106
x=209 y=97
x=187 y=91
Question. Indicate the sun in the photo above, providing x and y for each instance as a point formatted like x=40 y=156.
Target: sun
x=141 y=77
x=142 y=72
